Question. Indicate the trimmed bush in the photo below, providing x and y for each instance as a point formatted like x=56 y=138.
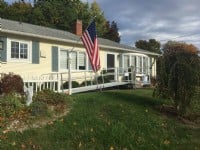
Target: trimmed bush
x=50 y=101
x=75 y=84
x=12 y=83
x=49 y=97
x=87 y=83
x=105 y=78
x=39 y=109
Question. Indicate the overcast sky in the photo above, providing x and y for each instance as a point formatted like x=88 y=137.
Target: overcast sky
x=162 y=20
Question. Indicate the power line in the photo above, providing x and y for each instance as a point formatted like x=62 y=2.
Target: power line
x=189 y=35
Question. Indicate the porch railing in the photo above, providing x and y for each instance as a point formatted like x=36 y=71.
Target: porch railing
x=55 y=81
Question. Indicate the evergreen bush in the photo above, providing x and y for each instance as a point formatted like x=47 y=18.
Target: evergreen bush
x=178 y=74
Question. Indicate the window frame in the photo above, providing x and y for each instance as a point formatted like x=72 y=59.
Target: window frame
x=128 y=61
x=29 y=51
x=77 y=67
x=84 y=67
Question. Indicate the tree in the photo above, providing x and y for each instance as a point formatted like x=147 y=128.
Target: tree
x=178 y=74
x=60 y=14
x=56 y=14
x=96 y=12
x=20 y=11
x=3 y=9
x=63 y=14
x=152 y=45
x=112 y=32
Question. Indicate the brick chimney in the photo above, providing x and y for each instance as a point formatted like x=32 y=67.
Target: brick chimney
x=78 y=27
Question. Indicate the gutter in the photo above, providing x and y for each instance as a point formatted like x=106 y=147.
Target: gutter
x=130 y=50
x=40 y=36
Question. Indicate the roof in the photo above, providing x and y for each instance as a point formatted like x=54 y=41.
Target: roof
x=21 y=28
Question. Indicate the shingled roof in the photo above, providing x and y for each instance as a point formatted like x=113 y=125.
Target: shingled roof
x=21 y=28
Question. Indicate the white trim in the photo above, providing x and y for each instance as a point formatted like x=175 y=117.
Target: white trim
x=77 y=61
x=115 y=59
x=59 y=53
x=9 y=59
x=79 y=43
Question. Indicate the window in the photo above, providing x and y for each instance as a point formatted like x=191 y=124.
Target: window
x=145 y=65
x=63 y=59
x=89 y=66
x=139 y=64
x=78 y=60
x=73 y=60
x=19 y=50
x=110 y=61
x=133 y=61
x=1 y=45
x=126 y=61
x=82 y=61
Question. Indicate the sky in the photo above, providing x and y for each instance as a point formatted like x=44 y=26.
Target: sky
x=162 y=20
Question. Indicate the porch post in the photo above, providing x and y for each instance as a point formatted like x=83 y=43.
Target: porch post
x=58 y=85
x=69 y=75
x=133 y=76
x=116 y=74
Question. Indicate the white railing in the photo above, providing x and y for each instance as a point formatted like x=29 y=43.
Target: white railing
x=58 y=81
x=45 y=81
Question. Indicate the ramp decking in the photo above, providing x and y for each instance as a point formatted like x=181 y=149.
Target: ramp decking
x=95 y=87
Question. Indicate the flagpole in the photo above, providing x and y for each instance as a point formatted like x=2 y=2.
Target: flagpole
x=69 y=74
x=69 y=61
x=69 y=67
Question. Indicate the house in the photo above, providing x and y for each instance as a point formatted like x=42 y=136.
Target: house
x=34 y=52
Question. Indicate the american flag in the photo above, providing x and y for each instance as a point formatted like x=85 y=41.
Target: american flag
x=90 y=42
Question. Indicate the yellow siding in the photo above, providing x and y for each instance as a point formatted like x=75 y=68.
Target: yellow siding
x=28 y=69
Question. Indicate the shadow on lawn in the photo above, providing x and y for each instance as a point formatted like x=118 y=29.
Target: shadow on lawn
x=135 y=99
x=159 y=105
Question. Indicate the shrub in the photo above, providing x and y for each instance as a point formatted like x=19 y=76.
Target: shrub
x=86 y=83
x=75 y=84
x=12 y=83
x=106 y=79
x=50 y=101
x=178 y=75
x=9 y=104
x=49 y=97
x=39 y=109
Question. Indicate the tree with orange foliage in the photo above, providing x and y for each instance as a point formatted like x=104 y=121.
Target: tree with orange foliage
x=178 y=74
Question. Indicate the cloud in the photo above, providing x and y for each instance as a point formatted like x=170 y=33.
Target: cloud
x=160 y=19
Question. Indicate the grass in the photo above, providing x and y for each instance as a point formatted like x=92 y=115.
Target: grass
x=117 y=119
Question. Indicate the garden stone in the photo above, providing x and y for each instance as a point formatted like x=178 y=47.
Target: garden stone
x=29 y=94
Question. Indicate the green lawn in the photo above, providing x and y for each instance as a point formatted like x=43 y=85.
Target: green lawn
x=116 y=119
